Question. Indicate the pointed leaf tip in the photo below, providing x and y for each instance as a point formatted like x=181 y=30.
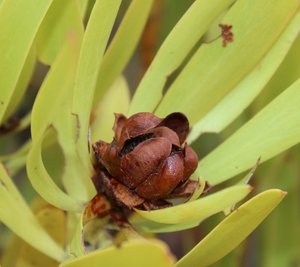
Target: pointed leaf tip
x=232 y=230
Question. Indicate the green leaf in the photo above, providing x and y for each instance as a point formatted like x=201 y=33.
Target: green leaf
x=22 y=83
x=18 y=28
x=144 y=225
x=59 y=85
x=174 y=50
x=232 y=230
x=271 y=131
x=232 y=105
x=93 y=45
x=83 y=5
x=46 y=216
x=76 y=178
x=122 y=46
x=200 y=209
x=14 y=210
x=280 y=248
x=287 y=73
x=116 y=100
x=56 y=85
x=43 y=183
x=63 y=18
x=198 y=191
x=135 y=253
x=214 y=70
x=76 y=245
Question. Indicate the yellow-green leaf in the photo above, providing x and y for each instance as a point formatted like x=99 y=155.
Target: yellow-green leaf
x=287 y=73
x=200 y=209
x=63 y=18
x=174 y=50
x=116 y=100
x=14 y=210
x=143 y=225
x=214 y=70
x=92 y=49
x=76 y=178
x=43 y=183
x=22 y=83
x=53 y=221
x=271 y=131
x=18 y=27
x=134 y=253
x=122 y=46
x=55 y=86
x=232 y=230
x=243 y=94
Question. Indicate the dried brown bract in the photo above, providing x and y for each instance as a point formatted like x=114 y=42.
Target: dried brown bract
x=147 y=163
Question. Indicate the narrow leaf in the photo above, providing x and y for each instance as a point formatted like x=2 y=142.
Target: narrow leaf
x=22 y=83
x=174 y=50
x=200 y=209
x=18 y=28
x=63 y=18
x=116 y=100
x=43 y=183
x=232 y=105
x=122 y=46
x=55 y=86
x=214 y=70
x=232 y=230
x=93 y=45
x=46 y=215
x=14 y=210
x=271 y=131
x=144 y=225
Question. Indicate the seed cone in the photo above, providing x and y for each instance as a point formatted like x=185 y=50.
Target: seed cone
x=147 y=162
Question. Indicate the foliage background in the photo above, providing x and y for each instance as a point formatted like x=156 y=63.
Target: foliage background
x=275 y=242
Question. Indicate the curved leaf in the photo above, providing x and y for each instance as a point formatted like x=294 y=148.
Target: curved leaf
x=116 y=100
x=135 y=253
x=14 y=210
x=76 y=245
x=22 y=83
x=174 y=50
x=232 y=230
x=200 y=209
x=55 y=86
x=122 y=46
x=92 y=49
x=243 y=94
x=143 y=225
x=214 y=70
x=53 y=221
x=43 y=183
x=76 y=178
x=63 y=18
x=271 y=131
x=287 y=73
x=18 y=28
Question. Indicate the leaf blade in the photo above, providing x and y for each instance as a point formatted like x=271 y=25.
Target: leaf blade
x=13 y=208
x=196 y=90
x=243 y=94
x=43 y=183
x=18 y=28
x=135 y=253
x=122 y=46
x=207 y=206
x=91 y=53
x=225 y=236
x=178 y=44
x=271 y=131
